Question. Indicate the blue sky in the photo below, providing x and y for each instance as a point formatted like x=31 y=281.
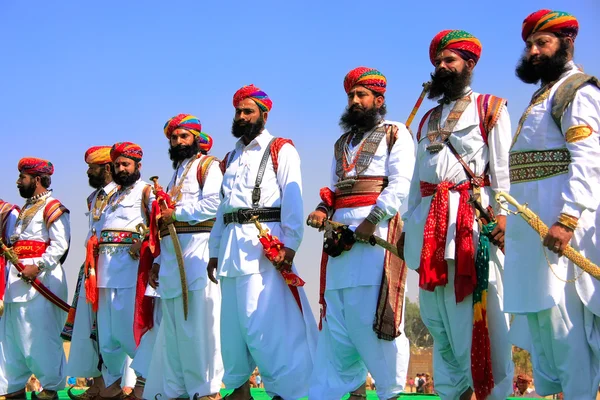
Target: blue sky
x=80 y=73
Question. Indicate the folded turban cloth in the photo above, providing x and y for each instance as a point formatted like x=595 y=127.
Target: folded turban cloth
x=185 y=121
x=205 y=141
x=35 y=166
x=98 y=155
x=467 y=46
x=126 y=149
x=367 y=77
x=550 y=21
x=261 y=99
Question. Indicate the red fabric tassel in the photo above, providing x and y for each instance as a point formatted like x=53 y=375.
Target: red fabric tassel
x=481 y=360
x=327 y=196
x=2 y=277
x=322 y=285
x=90 y=276
x=143 y=319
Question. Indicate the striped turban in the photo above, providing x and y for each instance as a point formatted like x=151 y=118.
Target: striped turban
x=35 y=166
x=98 y=155
x=261 y=99
x=550 y=21
x=467 y=46
x=204 y=141
x=127 y=150
x=367 y=77
x=185 y=121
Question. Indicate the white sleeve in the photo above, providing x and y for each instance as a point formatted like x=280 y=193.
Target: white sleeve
x=59 y=235
x=11 y=221
x=289 y=178
x=499 y=141
x=214 y=241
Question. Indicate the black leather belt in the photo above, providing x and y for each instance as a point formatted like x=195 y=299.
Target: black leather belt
x=244 y=215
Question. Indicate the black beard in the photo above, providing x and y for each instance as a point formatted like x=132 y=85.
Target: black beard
x=248 y=130
x=98 y=181
x=548 y=69
x=27 y=192
x=182 y=152
x=449 y=84
x=124 y=179
x=358 y=119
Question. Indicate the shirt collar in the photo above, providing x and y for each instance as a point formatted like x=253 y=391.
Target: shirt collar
x=261 y=141
x=108 y=188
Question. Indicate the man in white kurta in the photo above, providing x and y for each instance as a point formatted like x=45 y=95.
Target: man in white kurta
x=262 y=323
x=118 y=263
x=31 y=325
x=447 y=288
x=554 y=169
x=190 y=350
x=350 y=344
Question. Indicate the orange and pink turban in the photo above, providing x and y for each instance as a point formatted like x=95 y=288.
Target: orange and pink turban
x=550 y=21
x=467 y=46
x=367 y=77
x=261 y=99
x=98 y=155
x=127 y=150
x=35 y=166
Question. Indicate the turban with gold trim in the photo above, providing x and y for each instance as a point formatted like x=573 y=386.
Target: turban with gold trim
x=98 y=155
x=127 y=150
x=467 y=46
x=550 y=21
x=261 y=99
x=367 y=77
x=35 y=166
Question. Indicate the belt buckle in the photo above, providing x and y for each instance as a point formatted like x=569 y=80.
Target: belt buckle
x=242 y=215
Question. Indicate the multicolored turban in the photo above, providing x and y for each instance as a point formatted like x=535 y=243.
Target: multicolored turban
x=550 y=21
x=204 y=141
x=98 y=155
x=185 y=121
x=35 y=166
x=126 y=149
x=367 y=77
x=467 y=46
x=261 y=99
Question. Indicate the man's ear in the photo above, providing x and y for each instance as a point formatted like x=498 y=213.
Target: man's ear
x=379 y=100
x=265 y=115
x=470 y=64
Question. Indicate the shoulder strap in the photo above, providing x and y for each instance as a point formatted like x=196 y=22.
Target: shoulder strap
x=261 y=174
x=488 y=108
x=52 y=211
x=391 y=135
x=423 y=123
x=276 y=145
x=146 y=201
x=224 y=163
x=90 y=198
x=565 y=93
x=203 y=167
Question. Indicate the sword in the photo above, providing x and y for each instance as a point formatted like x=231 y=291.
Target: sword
x=373 y=240
x=536 y=223
x=176 y=246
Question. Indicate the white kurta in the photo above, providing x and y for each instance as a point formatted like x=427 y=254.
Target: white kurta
x=533 y=286
x=117 y=278
x=187 y=356
x=261 y=323
x=348 y=346
x=83 y=354
x=31 y=326
x=450 y=323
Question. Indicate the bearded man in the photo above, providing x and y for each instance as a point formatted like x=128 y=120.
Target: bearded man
x=462 y=156
x=369 y=180
x=554 y=169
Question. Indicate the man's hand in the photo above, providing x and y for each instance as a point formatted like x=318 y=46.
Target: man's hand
x=210 y=269
x=284 y=260
x=365 y=230
x=497 y=235
x=316 y=219
x=166 y=216
x=153 y=278
x=558 y=238
x=134 y=250
x=30 y=272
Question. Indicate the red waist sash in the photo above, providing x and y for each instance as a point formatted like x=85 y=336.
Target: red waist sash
x=29 y=248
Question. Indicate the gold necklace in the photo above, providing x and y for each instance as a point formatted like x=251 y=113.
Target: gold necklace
x=97 y=210
x=175 y=192
x=30 y=209
x=122 y=194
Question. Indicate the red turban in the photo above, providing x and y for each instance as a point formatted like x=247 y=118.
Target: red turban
x=98 y=155
x=35 y=166
x=550 y=21
x=261 y=99
x=185 y=121
x=367 y=77
x=467 y=46
x=128 y=150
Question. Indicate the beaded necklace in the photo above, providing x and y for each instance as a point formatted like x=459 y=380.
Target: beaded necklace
x=32 y=206
x=175 y=192
x=97 y=210
x=116 y=200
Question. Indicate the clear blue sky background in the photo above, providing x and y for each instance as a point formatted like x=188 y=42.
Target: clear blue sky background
x=80 y=73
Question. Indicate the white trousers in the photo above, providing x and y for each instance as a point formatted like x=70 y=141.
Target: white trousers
x=451 y=326
x=30 y=334
x=566 y=348
x=115 y=330
x=348 y=348
x=261 y=325
x=143 y=354
x=187 y=356
x=3 y=381
x=83 y=353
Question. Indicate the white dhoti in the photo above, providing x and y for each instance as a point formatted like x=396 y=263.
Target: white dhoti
x=3 y=381
x=187 y=356
x=261 y=325
x=115 y=330
x=143 y=354
x=32 y=344
x=83 y=353
x=451 y=326
x=348 y=348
